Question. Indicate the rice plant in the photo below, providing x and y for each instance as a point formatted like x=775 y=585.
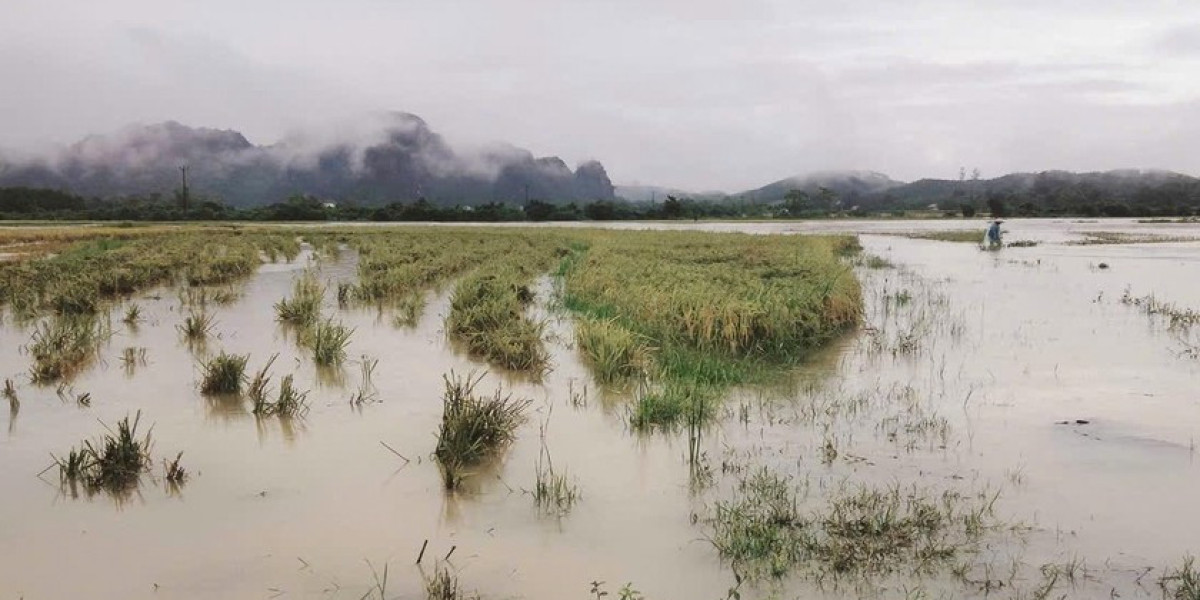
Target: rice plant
x=1182 y=582
x=487 y=314
x=224 y=374
x=366 y=391
x=196 y=326
x=344 y=294
x=1177 y=317
x=612 y=351
x=473 y=427
x=132 y=358
x=173 y=472
x=860 y=530
x=10 y=393
x=444 y=585
x=408 y=310
x=133 y=314
x=665 y=406
x=114 y=462
x=553 y=491
x=62 y=345
x=258 y=391
x=328 y=340
x=291 y=402
x=304 y=306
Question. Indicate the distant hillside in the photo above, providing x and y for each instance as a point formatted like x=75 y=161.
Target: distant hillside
x=652 y=193
x=1048 y=186
x=843 y=183
x=397 y=158
x=1113 y=193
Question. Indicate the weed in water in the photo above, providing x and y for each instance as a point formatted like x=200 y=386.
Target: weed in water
x=366 y=387
x=197 y=326
x=113 y=463
x=553 y=491
x=291 y=401
x=860 y=530
x=258 y=389
x=328 y=340
x=443 y=585
x=667 y=405
x=62 y=345
x=10 y=394
x=133 y=314
x=344 y=294
x=173 y=472
x=1182 y=582
x=224 y=374
x=473 y=427
x=1177 y=317
x=304 y=306
x=132 y=358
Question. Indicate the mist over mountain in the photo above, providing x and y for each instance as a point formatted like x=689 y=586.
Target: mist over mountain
x=390 y=157
x=869 y=190
x=843 y=183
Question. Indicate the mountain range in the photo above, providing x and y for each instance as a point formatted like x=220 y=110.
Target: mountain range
x=871 y=191
x=394 y=157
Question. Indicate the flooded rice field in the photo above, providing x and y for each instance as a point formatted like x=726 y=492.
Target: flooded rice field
x=1012 y=424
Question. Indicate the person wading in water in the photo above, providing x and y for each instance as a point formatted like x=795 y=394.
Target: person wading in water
x=992 y=239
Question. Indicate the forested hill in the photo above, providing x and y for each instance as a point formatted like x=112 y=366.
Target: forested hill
x=396 y=158
x=1112 y=193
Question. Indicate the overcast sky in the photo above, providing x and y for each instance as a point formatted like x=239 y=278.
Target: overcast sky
x=698 y=94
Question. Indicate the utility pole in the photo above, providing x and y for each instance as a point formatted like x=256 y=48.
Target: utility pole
x=183 y=194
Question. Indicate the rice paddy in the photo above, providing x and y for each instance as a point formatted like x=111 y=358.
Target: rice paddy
x=735 y=415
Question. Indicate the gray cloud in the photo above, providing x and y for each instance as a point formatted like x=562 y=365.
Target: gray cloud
x=685 y=93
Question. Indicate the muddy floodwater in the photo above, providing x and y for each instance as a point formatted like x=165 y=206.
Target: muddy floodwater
x=1030 y=373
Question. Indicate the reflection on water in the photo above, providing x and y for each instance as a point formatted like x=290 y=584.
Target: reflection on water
x=966 y=363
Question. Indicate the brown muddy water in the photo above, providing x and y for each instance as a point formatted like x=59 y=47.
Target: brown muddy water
x=967 y=363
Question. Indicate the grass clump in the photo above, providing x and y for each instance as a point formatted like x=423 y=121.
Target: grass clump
x=366 y=391
x=133 y=314
x=224 y=374
x=196 y=326
x=14 y=403
x=444 y=585
x=1177 y=317
x=289 y=403
x=114 y=463
x=173 y=472
x=667 y=405
x=967 y=236
x=473 y=427
x=864 y=530
x=62 y=345
x=553 y=491
x=1182 y=582
x=614 y=352
x=487 y=314
x=328 y=340
x=304 y=306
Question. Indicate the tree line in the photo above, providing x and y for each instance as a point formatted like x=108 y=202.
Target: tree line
x=1080 y=199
